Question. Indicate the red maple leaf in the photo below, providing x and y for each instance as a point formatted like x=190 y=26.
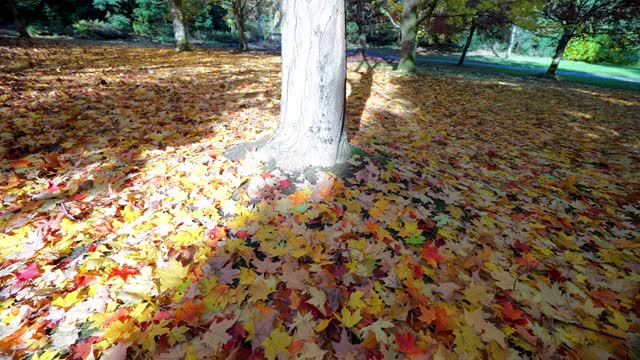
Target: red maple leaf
x=407 y=344
x=510 y=314
x=430 y=253
x=123 y=272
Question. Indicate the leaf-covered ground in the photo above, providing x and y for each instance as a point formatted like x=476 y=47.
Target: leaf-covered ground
x=484 y=218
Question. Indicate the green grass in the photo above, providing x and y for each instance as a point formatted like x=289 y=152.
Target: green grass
x=567 y=65
x=474 y=71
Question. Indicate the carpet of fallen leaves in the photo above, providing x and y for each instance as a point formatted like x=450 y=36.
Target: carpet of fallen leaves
x=484 y=218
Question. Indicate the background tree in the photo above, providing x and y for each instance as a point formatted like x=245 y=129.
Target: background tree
x=414 y=13
x=179 y=24
x=19 y=21
x=490 y=17
x=240 y=10
x=362 y=13
x=312 y=128
x=580 y=18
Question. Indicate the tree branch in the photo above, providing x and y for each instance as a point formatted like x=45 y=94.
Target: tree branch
x=391 y=19
x=427 y=13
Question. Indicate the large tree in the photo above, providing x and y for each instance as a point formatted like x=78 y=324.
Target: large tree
x=312 y=128
x=414 y=13
x=176 y=9
x=578 y=18
x=19 y=21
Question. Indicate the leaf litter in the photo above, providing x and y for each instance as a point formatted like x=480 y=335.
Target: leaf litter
x=480 y=218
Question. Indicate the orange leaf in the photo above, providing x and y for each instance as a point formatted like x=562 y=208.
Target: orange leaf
x=190 y=311
x=407 y=344
x=296 y=346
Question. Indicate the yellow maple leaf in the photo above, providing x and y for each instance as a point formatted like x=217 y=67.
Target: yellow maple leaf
x=355 y=300
x=277 y=342
x=374 y=303
x=47 y=355
x=377 y=211
x=67 y=300
x=11 y=244
x=321 y=325
x=120 y=331
x=348 y=318
x=187 y=236
x=172 y=276
x=247 y=276
x=130 y=214
x=176 y=335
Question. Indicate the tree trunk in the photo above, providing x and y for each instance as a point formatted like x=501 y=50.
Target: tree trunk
x=258 y=15
x=362 y=44
x=408 y=41
x=362 y=35
x=472 y=31
x=240 y=24
x=312 y=128
x=179 y=26
x=512 y=41
x=18 y=20
x=562 y=44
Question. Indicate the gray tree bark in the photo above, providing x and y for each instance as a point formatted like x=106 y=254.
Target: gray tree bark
x=179 y=26
x=562 y=45
x=408 y=41
x=18 y=20
x=312 y=129
x=512 y=41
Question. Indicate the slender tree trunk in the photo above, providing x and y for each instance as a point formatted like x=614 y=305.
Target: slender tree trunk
x=562 y=45
x=361 y=23
x=472 y=31
x=240 y=24
x=179 y=26
x=258 y=16
x=512 y=41
x=362 y=43
x=238 y=13
x=408 y=41
x=312 y=128
x=18 y=20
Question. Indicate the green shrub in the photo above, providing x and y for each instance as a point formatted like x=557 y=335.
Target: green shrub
x=118 y=21
x=601 y=49
x=98 y=29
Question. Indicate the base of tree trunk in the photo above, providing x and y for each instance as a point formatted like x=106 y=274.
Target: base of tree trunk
x=183 y=47
x=548 y=76
x=277 y=152
x=343 y=169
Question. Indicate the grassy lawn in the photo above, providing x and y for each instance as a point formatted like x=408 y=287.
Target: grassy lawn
x=567 y=65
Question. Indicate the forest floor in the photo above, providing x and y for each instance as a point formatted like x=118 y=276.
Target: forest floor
x=484 y=217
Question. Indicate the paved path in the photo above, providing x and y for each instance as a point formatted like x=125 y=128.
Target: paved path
x=498 y=66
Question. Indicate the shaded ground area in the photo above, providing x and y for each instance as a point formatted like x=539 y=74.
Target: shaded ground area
x=486 y=217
